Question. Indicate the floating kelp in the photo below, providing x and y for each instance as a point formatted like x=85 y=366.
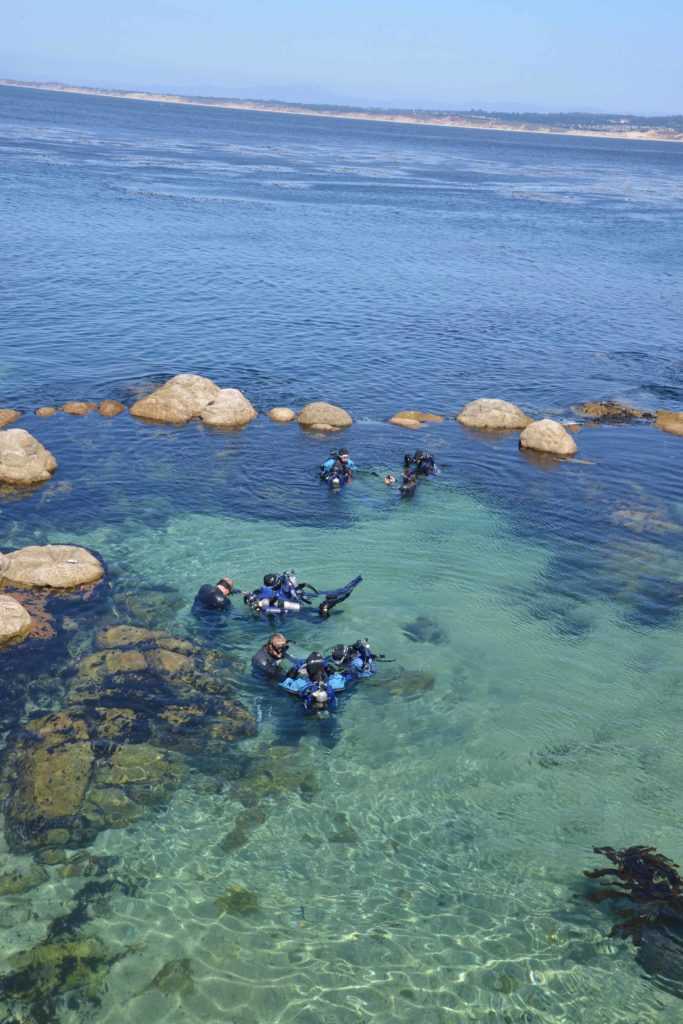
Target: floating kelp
x=653 y=920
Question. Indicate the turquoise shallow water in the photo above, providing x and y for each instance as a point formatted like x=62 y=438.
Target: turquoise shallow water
x=427 y=864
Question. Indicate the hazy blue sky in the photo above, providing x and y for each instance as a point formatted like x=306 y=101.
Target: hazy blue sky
x=616 y=55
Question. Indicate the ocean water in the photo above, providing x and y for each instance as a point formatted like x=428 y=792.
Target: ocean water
x=427 y=864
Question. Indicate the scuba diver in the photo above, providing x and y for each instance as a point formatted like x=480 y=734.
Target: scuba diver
x=266 y=661
x=424 y=463
x=214 y=596
x=408 y=481
x=281 y=593
x=345 y=664
x=338 y=469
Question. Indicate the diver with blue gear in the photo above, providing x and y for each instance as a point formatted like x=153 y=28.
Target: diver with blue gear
x=345 y=664
x=338 y=470
x=282 y=594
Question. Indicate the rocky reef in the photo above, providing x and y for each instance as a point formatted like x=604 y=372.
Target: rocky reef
x=134 y=709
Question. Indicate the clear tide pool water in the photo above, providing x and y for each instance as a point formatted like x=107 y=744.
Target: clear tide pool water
x=431 y=868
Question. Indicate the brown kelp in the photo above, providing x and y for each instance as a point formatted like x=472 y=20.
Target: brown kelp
x=653 y=918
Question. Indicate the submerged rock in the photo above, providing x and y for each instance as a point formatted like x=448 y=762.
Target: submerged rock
x=281 y=414
x=14 y=883
x=420 y=417
x=178 y=400
x=51 y=766
x=15 y=621
x=547 y=436
x=322 y=414
x=8 y=416
x=79 y=408
x=493 y=414
x=60 y=566
x=612 y=412
x=174 y=978
x=46 y=410
x=110 y=408
x=40 y=975
x=409 y=422
x=424 y=631
x=230 y=408
x=237 y=900
x=23 y=459
x=671 y=422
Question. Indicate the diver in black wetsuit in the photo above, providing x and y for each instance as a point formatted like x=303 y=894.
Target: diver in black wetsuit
x=408 y=481
x=215 y=596
x=266 y=661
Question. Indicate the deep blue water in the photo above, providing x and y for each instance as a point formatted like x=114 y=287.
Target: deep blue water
x=382 y=267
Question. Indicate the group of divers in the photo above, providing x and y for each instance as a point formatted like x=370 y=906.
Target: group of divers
x=318 y=679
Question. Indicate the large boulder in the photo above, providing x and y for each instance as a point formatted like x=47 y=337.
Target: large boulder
x=8 y=416
x=79 y=408
x=109 y=407
x=61 y=566
x=493 y=414
x=281 y=414
x=672 y=422
x=317 y=414
x=23 y=459
x=547 y=436
x=182 y=397
x=229 y=409
x=15 y=621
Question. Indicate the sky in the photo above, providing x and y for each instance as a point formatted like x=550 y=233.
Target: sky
x=546 y=55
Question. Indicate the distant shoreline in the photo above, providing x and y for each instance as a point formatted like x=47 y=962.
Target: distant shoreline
x=444 y=120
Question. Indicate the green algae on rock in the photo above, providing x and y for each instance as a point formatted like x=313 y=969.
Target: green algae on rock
x=237 y=900
x=40 y=975
x=174 y=978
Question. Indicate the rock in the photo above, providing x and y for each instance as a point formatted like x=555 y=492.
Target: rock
x=15 y=621
x=23 y=459
x=547 y=436
x=46 y=410
x=319 y=414
x=51 y=767
x=671 y=422
x=229 y=409
x=79 y=408
x=424 y=631
x=61 y=566
x=174 y=978
x=136 y=636
x=405 y=421
x=612 y=412
x=110 y=408
x=493 y=414
x=41 y=976
x=280 y=414
x=35 y=603
x=178 y=400
x=324 y=427
x=14 y=883
x=8 y=416
x=421 y=417
x=237 y=900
